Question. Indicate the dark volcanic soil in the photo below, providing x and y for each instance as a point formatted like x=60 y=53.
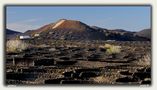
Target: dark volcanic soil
x=70 y=62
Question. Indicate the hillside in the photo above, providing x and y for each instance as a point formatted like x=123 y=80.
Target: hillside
x=76 y=30
x=11 y=32
x=146 y=33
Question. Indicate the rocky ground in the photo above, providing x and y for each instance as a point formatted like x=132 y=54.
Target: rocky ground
x=81 y=63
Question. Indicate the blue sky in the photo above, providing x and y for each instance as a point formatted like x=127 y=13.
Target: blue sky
x=131 y=18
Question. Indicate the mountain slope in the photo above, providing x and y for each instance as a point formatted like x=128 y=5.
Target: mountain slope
x=76 y=30
x=68 y=30
x=11 y=32
x=146 y=33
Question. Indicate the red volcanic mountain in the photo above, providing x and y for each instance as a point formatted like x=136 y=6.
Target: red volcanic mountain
x=68 y=30
x=76 y=30
x=62 y=24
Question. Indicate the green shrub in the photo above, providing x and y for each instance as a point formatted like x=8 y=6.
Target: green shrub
x=16 y=46
x=111 y=49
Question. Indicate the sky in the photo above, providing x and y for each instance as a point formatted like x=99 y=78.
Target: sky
x=130 y=18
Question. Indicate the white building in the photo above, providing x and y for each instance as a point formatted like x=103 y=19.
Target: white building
x=25 y=37
x=36 y=35
x=110 y=40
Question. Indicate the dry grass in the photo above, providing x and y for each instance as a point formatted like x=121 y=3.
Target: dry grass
x=16 y=46
x=112 y=49
x=102 y=79
x=145 y=61
x=106 y=79
x=90 y=64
